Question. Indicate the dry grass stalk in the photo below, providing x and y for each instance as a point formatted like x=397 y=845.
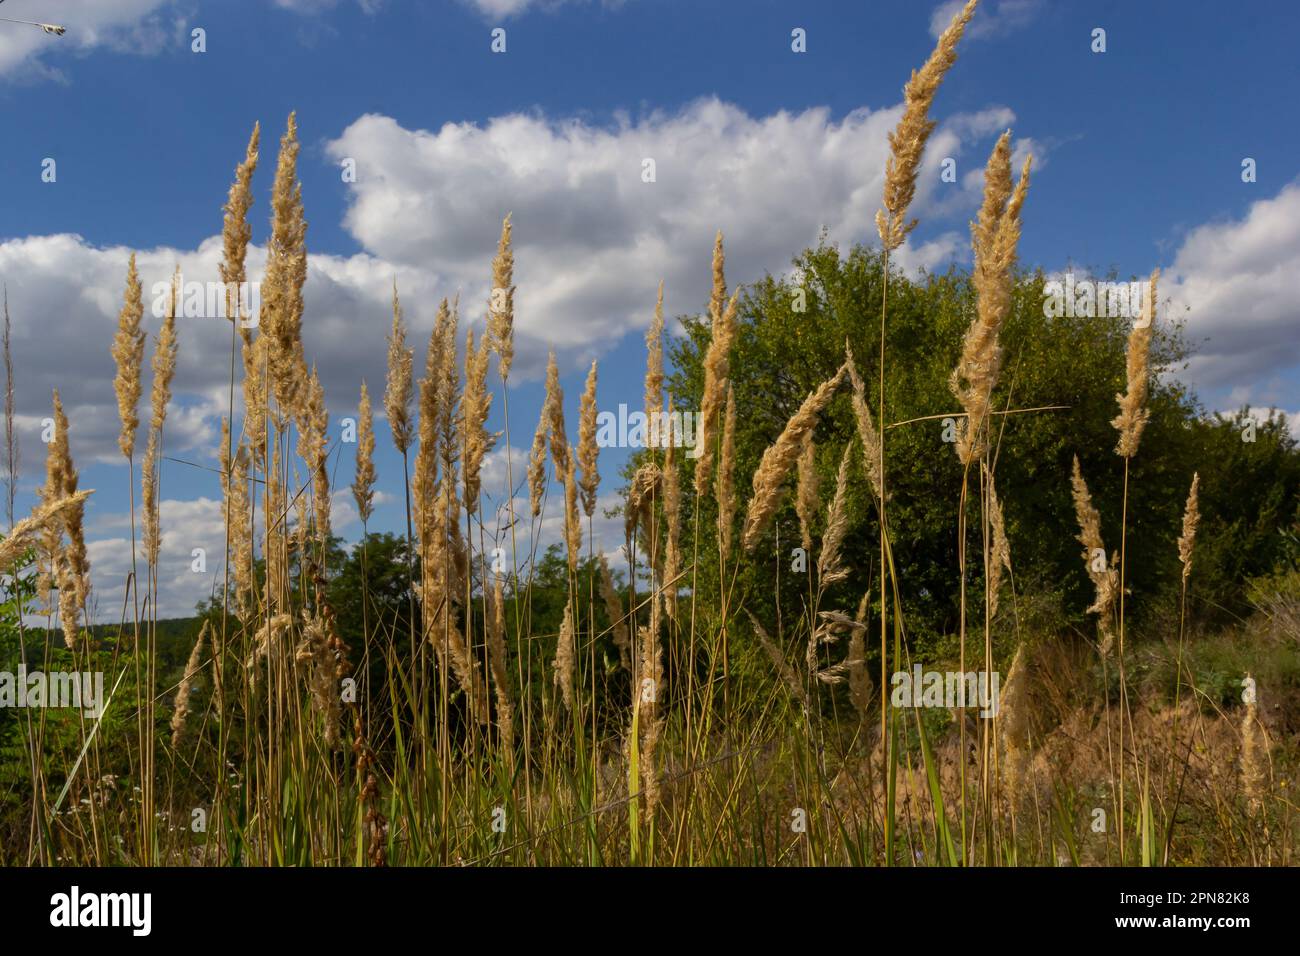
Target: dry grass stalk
x=807 y=494
x=500 y=334
x=1133 y=411
x=235 y=235
x=496 y=641
x=151 y=539
x=654 y=365
x=588 y=452
x=48 y=514
x=164 y=368
x=537 y=464
x=564 y=657
x=313 y=448
x=475 y=405
x=831 y=626
x=424 y=484
x=907 y=141
x=399 y=388
x=300 y=502
x=554 y=408
x=994 y=237
x=436 y=506
x=1254 y=755
x=128 y=354
x=1000 y=557
x=614 y=608
x=866 y=424
x=639 y=508
x=672 y=492
x=267 y=643
x=363 y=486
x=1013 y=717
x=649 y=711
x=275 y=546
x=450 y=411
x=236 y=232
x=186 y=688
x=253 y=356
x=319 y=652
x=718 y=295
x=572 y=523
x=860 y=684
x=780 y=457
x=235 y=486
x=717 y=368
x=783 y=668
x=725 y=489
x=1191 y=518
x=830 y=568
x=70 y=567
x=286 y=272
x=1104 y=577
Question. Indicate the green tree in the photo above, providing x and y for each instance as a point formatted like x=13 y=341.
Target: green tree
x=782 y=354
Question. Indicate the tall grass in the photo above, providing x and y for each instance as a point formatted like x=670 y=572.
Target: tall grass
x=663 y=722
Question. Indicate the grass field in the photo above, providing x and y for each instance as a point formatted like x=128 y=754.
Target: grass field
x=662 y=716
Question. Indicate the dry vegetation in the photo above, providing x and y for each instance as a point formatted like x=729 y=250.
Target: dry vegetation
x=488 y=742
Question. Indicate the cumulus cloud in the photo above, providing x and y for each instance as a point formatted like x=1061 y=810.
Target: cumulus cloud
x=124 y=26
x=186 y=525
x=593 y=238
x=1235 y=284
x=64 y=298
x=591 y=241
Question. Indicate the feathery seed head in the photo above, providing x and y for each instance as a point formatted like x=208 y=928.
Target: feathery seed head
x=717 y=370
x=725 y=489
x=128 y=354
x=588 y=453
x=235 y=230
x=866 y=425
x=475 y=405
x=1133 y=411
x=780 y=457
x=907 y=141
x=555 y=417
x=1191 y=518
x=654 y=367
x=363 y=487
x=994 y=237
x=501 y=306
x=399 y=389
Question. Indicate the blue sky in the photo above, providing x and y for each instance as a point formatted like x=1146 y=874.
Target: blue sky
x=1138 y=154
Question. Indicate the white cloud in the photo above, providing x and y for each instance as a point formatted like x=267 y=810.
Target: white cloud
x=64 y=298
x=1235 y=283
x=591 y=243
x=186 y=525
x=124 y=26
x=592 y=239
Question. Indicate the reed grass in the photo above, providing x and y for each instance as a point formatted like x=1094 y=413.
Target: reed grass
x=667 y=721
